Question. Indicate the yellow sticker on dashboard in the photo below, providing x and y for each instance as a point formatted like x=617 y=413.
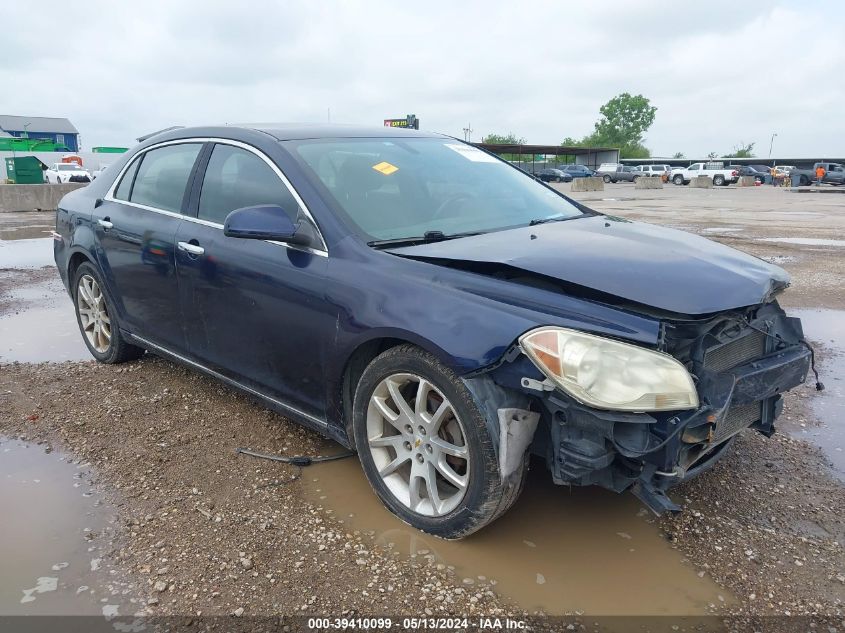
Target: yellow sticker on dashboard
x=385 y=168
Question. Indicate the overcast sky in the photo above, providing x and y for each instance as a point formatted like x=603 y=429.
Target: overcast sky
x=720 y=73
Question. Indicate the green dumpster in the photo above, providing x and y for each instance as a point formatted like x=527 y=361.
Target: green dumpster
x=25 y=170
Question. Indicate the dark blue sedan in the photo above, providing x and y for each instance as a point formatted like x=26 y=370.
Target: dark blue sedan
x=432 y=307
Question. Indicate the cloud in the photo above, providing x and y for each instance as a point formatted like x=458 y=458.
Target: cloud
x=720 y=74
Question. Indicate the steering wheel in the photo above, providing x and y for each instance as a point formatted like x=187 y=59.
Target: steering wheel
x=449 y=202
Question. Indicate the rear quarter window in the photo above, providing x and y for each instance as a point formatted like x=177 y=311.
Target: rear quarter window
x=125 y=187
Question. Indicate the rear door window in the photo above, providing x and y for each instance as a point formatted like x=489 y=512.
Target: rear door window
x=163 y=176
x=237 y=178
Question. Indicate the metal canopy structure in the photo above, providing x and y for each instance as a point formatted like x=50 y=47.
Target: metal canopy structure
x=589 y=156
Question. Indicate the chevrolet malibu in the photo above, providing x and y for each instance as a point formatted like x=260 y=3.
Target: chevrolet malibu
x=433 y=308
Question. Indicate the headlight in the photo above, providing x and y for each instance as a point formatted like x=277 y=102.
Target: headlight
x=607 y=374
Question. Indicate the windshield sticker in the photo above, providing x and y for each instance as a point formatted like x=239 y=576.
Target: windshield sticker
x=385 y=168
x=471 y=153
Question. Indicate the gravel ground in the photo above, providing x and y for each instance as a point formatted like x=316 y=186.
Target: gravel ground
x=206 y=530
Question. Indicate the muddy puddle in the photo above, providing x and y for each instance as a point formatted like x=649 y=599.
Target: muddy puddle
x=558 y=549
x=39 y=325
x=826 y=330
x=26 y=231
x=26 y=253
x=55 y=530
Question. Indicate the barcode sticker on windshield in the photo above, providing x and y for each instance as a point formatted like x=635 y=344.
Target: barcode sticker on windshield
x=471 y=153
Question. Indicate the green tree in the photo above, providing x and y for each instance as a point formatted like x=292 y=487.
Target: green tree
x=678 y=155
x=507 y=139
x=624 y=120
x=712 y=155
x=743 y=150
x=503 y=139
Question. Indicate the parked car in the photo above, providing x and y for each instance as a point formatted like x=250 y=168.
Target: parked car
x=59 y=173
x=433 y=308
x=614 y=172
x=758 y=172
x=784 y=170
x=654 y=170
x=715 y=171
x=578 y=171
x=834 y=174
x=553 y=175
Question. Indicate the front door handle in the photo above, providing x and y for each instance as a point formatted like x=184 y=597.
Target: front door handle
x=193 y=249
x=105 y=223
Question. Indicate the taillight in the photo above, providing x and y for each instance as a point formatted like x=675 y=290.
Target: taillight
x=734 y=173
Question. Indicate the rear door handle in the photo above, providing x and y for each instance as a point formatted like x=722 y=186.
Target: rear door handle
x=193 y=249
x=105 y=224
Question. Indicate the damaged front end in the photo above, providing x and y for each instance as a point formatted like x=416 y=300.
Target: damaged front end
x=740 y=363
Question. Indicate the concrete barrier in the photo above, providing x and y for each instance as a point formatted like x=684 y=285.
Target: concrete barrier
x=702 y=182
x=747 y=181
x=34 y=197
x=648 y=182
x=587 y=184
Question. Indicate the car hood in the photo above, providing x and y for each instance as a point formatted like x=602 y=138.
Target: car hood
x=651 y=265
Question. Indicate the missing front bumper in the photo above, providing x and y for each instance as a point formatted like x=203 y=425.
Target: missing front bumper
x=649 y=453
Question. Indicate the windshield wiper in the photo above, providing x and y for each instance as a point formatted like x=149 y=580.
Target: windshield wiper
x=426 y=238
x=554 y=218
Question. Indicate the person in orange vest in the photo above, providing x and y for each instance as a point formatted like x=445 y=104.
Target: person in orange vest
x=820 y=174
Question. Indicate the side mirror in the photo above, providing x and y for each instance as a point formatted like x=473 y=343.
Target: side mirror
x=267 y=222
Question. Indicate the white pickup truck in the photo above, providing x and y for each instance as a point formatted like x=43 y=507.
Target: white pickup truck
x=715 y=171
x=59 y=173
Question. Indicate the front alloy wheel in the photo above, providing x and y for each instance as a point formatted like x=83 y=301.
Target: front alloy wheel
x=426 y=447
x=418 y=444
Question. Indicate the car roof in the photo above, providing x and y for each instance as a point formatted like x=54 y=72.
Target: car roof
x=299 y=131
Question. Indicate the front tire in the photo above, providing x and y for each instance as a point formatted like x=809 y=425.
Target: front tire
x=425 y=447
x=606 y=178
x=96 y=319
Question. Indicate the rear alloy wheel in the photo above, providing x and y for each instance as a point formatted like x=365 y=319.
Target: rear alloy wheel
x=425 y=446
x=678 y=180
x=97 y=321
x=718 y=180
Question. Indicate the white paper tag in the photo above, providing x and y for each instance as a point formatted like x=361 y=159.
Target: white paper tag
x=472 y=153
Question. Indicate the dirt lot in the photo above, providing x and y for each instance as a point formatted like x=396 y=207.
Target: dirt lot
x=201 y=529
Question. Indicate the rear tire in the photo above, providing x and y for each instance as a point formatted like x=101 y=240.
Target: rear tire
x=718 y=180
x=97 y=320
x=438 y=473
x=606 y=178
x=678 y=180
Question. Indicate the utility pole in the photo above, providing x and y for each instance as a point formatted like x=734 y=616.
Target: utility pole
x=771 y=144
x=468 y=132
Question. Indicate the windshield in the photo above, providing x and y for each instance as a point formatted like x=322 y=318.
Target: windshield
x=69 y=167
x=393 y=189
